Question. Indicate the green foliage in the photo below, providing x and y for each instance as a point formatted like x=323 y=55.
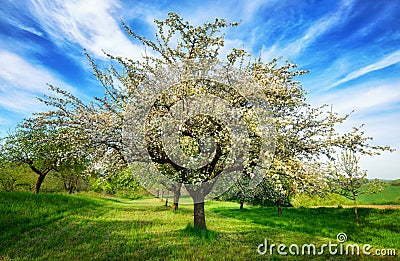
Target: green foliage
x=45 y=148
x=24 y=179
x=390 y=195
x=122 y=184
x=349 y=181
x=240 y=191
x=330 y=199
x=14 y=177
x=395 y=182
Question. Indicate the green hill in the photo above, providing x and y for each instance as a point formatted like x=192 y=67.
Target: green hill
x=389 y=196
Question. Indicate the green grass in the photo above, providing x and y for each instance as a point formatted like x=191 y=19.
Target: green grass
x=81 y=227
x=389 y=196
x=22 y=211
x=378 y=227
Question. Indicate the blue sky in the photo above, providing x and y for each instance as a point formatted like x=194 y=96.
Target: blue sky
x=351 y=47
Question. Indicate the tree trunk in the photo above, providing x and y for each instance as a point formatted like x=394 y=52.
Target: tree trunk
x=166 y=202
x=39 y=183
x=177 y=194
x=198 y=196
x=199 y=215
x=355 y=211
x=65 y=185
x=241 y=204
x=71 y=188
x=278 y=204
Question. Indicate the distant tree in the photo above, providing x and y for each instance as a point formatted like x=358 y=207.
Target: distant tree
x=71 y=172
x=8 y=179
x=241 y=191
x=348 y=180
x=279 y=188
x=41 y=147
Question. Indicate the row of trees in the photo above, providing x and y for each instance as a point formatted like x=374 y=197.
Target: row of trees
x=124 y=128
x=343 y=177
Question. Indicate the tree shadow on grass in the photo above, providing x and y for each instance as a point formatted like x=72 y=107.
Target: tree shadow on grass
x=375 y=226
x=147 y=237
x=202 y=234
x=22 y=211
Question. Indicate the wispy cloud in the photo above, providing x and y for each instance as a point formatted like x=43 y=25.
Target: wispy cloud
x=384 y=129
x=4 y=121
x=374 y=107
x=250 y=8
x=20 y=101
x=315 y=30
x=386 y=61
x=22 y=74
x=92 y=24
x=31 y=30
x=363 y=99
x=21 y=81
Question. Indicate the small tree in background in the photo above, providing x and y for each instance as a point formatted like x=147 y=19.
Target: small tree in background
x=241 y=191
x=44 y=148
x=279 y=188
x=71 y=172
x=8 y=177
x=350 y=181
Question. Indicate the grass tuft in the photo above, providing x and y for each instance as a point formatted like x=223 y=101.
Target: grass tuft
x=203 y=234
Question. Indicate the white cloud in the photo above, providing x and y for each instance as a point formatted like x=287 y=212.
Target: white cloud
x=21 y=82
x=31 y=30
x=232 y=11
x=20 y=101
x=363 y=99
x=385 y=166
x=23 y=75
x=388 y=60
x=4 y=121
x=315 y=30
x=385 y=131
x=251 y=7
x=373 y=105
x=90 y=23
x=383 y=127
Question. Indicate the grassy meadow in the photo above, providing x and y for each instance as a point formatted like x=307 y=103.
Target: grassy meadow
x=92 y=227
x=390 y=195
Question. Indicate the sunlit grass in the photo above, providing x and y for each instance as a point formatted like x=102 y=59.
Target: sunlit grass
x=79 y=227
x=389 y=196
